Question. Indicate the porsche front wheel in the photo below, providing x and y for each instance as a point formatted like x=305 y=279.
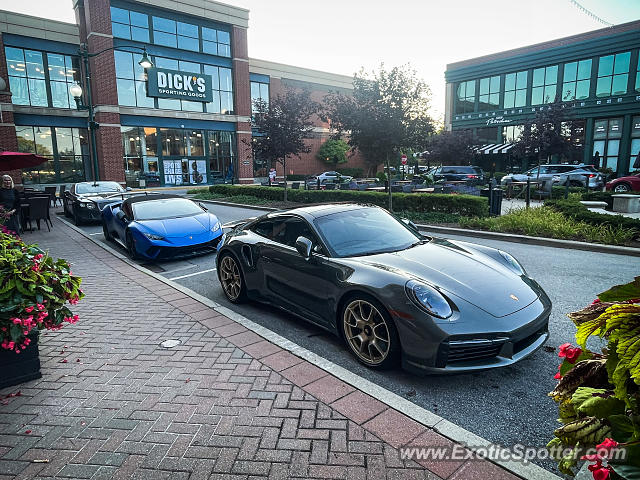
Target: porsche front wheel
x=231 y=279
x=370 y=333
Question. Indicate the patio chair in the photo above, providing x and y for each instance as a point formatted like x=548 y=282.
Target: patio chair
x=39 y=210
x=51 y=191
x=544 y=190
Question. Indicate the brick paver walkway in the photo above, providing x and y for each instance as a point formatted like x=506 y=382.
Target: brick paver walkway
x=225 y=403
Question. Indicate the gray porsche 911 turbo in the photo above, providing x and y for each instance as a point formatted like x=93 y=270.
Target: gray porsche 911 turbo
x=389 y=292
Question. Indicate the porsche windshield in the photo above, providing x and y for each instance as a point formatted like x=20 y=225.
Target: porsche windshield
x=100 y=187
x=365 y=231
x=165 y=208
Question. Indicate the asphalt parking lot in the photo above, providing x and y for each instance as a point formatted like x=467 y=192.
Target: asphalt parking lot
x=508 y=405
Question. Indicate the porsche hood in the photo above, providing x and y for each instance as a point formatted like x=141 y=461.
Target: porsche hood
x=462 y=272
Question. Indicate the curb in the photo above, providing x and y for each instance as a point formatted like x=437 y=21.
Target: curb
x=528 y=471
x=507 y=237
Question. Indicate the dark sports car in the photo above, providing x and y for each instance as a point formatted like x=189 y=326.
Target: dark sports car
x=79 y=202
x=156 y=227
x=389 y=292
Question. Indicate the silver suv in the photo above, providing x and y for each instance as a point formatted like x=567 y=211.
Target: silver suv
x=560 y=174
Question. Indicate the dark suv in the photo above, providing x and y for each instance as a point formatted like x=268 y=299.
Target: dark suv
x=459 y=172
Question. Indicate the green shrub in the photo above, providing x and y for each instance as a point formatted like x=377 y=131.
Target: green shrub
x=577 y=211
x=498 y=176
x=351 y=172
x=558 y=191
x=381 y=176
x=547 y=222
x=467 y=205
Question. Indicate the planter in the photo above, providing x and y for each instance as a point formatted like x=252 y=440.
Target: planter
x=20 y=367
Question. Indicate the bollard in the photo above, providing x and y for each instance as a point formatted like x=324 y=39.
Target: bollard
x=528 y=194
x=318 y=186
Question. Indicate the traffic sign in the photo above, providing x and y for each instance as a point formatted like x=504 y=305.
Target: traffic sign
x=403 y=159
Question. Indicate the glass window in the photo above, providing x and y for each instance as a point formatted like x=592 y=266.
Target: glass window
x=512 y=133
x=466 y=96
x=130 y=25
x=195 y=145
x=130 y=81
x=259 y=92
x=221 y=151
x=173 y=142
x=613 y=74
x=487 y=134
x=606 y=134
x=164 y=25
x=515 y=89
x=576 y=80
x=544 y=85
x=489 y=94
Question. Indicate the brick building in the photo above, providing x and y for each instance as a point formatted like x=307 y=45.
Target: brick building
x=149 y=131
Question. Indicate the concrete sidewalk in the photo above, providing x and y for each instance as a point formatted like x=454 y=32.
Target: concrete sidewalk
x=225 y=403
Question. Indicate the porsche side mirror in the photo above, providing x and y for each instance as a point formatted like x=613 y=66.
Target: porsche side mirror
x=304 y=246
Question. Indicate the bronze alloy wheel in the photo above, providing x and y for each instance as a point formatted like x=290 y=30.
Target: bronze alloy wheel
x=366 y=332
x=231 y=279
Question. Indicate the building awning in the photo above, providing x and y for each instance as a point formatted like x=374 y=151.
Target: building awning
x=493 y=148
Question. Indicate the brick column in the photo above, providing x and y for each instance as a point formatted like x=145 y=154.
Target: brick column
x=242 y=103
x=8 y=139
x=94 y=18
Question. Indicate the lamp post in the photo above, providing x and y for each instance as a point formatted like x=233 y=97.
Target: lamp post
x=76 y=92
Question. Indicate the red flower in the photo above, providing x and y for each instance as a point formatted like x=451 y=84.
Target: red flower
x=558 y=376
x=604 y=449
x=28 y=309
x=570 y=353
x=597 y=300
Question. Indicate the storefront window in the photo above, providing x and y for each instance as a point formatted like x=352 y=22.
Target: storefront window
x=67 y=156
x=489 y=94
x=512 y=133
x=635 y=142
x=221 y=147
x=577 y=80
x=606 y=135
x=174 y=142
x=130 y=81
x=259 y=92
x=515 y=89
x=466 y=96
x=130 y=25
x=544 y=85
x=575 y=132
x=487 y=135
x=613 y=74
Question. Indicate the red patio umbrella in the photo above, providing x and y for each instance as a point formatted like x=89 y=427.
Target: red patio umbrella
x=17 y=160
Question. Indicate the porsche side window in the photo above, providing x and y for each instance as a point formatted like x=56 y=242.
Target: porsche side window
x=264 y=229
x=294 y=228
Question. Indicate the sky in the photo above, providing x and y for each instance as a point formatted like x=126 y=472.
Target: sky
x=343 y=36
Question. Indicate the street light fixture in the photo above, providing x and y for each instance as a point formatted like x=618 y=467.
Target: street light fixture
x=76 y=92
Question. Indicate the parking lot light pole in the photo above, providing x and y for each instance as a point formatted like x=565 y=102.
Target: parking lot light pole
x=76 y=92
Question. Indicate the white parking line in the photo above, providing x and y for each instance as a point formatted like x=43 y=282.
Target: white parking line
x=192 y=274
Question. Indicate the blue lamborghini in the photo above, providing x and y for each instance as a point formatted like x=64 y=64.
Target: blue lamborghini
x=157 y=227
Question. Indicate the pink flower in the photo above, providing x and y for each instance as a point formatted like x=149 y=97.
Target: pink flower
x=38 y=256
x=597 y=300
x=570 y=353
x=558 y=376
x=28 y=309
x=16 y=321
x=40 y=306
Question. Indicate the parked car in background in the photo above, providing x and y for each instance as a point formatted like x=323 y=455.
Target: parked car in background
x=328 y=177
x=468 y=173
x=561 y=174
x=625 y=184
x=161 y=226
x=78 y=202
x=390 y=293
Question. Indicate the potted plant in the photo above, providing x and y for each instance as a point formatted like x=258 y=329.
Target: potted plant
x=598 y=393
x=34 y=292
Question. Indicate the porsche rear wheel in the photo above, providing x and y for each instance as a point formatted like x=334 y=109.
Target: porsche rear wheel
x=231 y=279
x=370 y=333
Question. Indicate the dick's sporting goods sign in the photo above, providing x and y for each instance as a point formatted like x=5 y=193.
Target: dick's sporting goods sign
x=165 y=83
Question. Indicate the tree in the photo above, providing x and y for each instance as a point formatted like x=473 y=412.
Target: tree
x=549 y=133
x=282 y=125
x=386 y=112
x=333 y=152
x=452 y=148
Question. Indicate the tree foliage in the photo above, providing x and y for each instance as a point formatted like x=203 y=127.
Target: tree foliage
x=282 y=125
x=333 y=151
x=452 y=148
x=386 y=113
x=547 y=134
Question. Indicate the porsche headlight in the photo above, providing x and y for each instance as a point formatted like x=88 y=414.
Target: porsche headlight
x=216 y=226
x=512 y=263
x=152 y=236
x=429 y=299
